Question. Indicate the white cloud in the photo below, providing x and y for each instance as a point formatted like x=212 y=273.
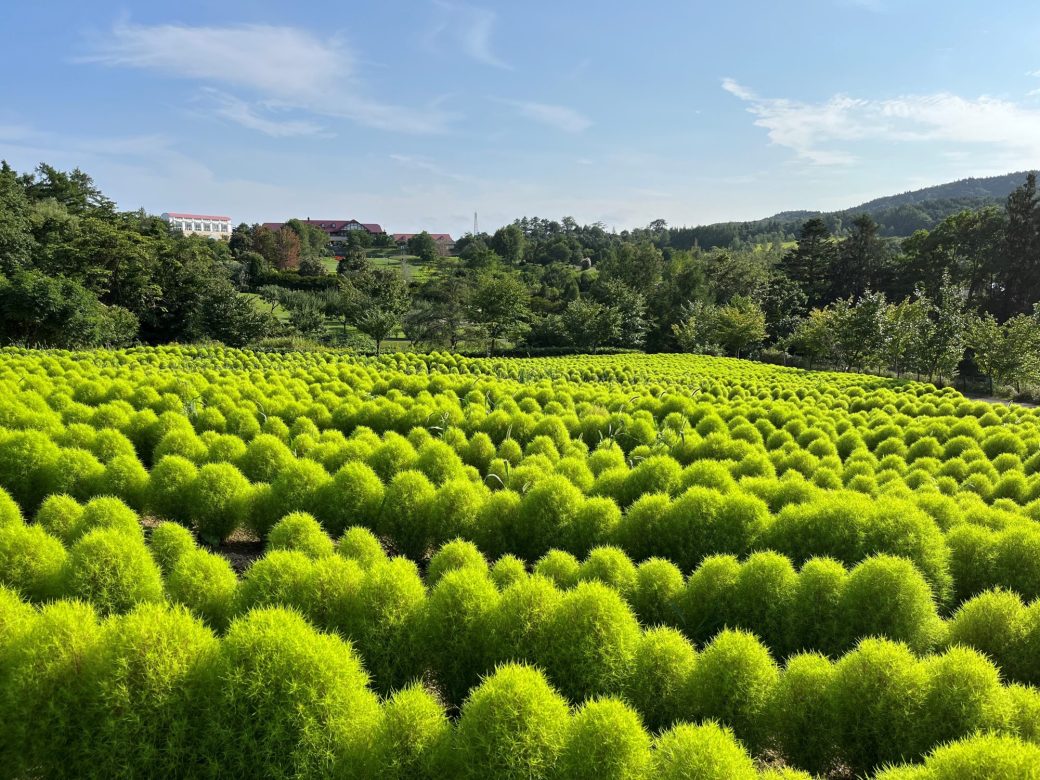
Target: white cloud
x=428 y=166
x=470 y=28
x=286 y=66
x=560 y=117
x=817 y=131
x=239 y=111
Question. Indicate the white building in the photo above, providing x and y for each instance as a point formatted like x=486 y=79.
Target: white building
x=200 y=224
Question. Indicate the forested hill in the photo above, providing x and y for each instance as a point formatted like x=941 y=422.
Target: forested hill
x=897 y=215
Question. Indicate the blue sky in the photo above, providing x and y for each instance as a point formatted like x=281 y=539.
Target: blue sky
x=415 y=114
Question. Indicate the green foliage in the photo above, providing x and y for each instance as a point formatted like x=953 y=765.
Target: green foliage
x=704 y=752
x=169 y=542
x=219 y=501
x=454 y=555
x=169 y=488
x=31 y=561
x=657 y=680
x=360 y=544
x=206 y=584
x=606 y=740
x=112 y=570
x=413 y=739
x=513 y=726
x=300 y=531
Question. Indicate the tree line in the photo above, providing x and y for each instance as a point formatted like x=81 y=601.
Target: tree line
x=75 y=271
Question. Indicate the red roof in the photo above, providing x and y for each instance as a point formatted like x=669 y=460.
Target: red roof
x=434 y=236
x=195 y=216
x=330 y=225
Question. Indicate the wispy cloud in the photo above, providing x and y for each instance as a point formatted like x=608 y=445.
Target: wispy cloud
x=817 y=132
x=428 y=166
x=286 y=66
x=559 y=117
x=470 y=28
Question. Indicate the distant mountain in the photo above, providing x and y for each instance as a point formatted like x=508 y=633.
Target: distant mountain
x=898 y=215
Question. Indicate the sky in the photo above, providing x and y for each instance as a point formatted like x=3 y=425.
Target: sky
x=417 y=114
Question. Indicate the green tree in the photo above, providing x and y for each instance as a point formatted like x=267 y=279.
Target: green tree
x=498 y=303
x=809 y=264
x=813 y=336
x=509 y=243
x=589 y=324
x=17 y=244
x=424 y=247
x=1008 y=353
x=739 y=325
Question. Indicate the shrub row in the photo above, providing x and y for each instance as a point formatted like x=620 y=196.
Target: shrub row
x=154 y=693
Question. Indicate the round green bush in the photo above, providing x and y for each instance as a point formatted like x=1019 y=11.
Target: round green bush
x=413 y=739
x=389 y=611
x=59 y=515
x=994 y=622
x=560 y=567
x=184 y=443
x=704 y=522
x=331 y=602
x=465 y=600
x=704 y=603
x=299 y=487
x=612 y=567
x=521 y=619
x=25 y=461
x=206 y=584
x=876 y=691
x=986 y=757
x=126 y=477
x=113 y=571
x=300 y=531
x=280 y=578
x=887 y=596
x=704 y=752
x=394 y=455
x=656 y=474
x=639 y=525
x=590 y=641
x=46 y=693
x=108 y=513
x=293 y=702
x=816 y=620
x=547 y=507
x=606 y=741
x=657 y=679
x=168 y=542
x=74 y=471
x=762 y=595
x=508 y=570
x=152 y=672
x=495 y=522
x=454 y=510
x=360 y=544
x=513 y=727
x=800 y=712
x=733 y=682
x=169 y=488
x=655 y=597
x=353 y=497
x=10 y=512
x=438 y=461
x=455 y=555
x=593 y=524
x=265 y=458
x=404 y=516
x=219 y=501
x=31 y=561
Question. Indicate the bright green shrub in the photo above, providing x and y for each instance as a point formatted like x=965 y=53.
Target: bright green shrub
x=560 y=567
x=639 y=524
x=31 y=561
x=593 y=524
x=413 y=739
x=113 y=571
x=265 y=458
x=495 y=522
x=762 y=596
x=454 y=510
x=550 y=505
x=280 y=578
x=521 y=619
x=394 y=455
x=184 y=443
x=25 y=459
x=74 y=471
x=704 y=752
x=438 y=461
x=800 y=713
x=982 y=757
x=168 y=542
x=463 y=599
x=219 y=501
x=126 y=477
x=733 y=682
x=300 y=531
x=705 y=601
x=590 y=641
x=656 y=474
x=655 y=597
x=606 y=741
x=293 y=702
x=299 y=487
x=206 y=584
x=876 y=693
x=454 y=555
x=656 y=685
x=508 y=570
x=703 y=522
x=404 y=516
x=153 y=670
x=995 y=623
x=513 y=727
x=169 y=488
x=612 y=567
x=353 y=497
x=360 y=544
x=44 y=694
x=887 y=596
x=707 y=473
x=108 y=513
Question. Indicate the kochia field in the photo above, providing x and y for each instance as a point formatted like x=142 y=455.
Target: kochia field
x=623 y=566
